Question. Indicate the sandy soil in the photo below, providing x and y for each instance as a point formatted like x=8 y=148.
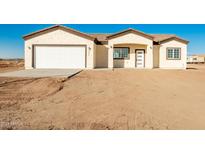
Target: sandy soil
x=99 y=99
x=11 y=65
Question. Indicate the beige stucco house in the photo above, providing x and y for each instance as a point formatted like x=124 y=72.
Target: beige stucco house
x=196 y=59
x=62 y=47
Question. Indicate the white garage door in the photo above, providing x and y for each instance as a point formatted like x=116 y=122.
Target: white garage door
x=59 y=57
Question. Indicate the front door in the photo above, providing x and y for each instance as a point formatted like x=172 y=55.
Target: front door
x=139 y=58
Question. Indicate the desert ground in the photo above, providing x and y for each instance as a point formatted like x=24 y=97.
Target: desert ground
x=11 y=65
x=106 y=99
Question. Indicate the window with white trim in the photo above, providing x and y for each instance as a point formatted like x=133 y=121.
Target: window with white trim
x=121 y=53
x=173 y=53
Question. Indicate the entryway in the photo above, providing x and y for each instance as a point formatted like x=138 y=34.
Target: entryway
x=139 y=58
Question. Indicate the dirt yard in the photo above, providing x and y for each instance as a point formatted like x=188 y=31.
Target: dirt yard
x=11 y=65
x=105 y=99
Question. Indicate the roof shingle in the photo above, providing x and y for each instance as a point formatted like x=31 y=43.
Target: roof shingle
x=100 y=37
x=162 y=37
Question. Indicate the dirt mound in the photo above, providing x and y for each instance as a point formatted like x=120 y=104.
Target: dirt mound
x=20 y=63
x=43 y=87
x=10 y=65
x=16 y=92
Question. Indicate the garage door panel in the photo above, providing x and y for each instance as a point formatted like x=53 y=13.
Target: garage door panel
x=60 y=57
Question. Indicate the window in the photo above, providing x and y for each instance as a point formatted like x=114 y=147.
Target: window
x=173 y=53
x=121 y=53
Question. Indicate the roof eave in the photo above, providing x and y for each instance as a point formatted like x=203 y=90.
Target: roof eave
x=127 y=31
x=173 y=38
x=31 y=35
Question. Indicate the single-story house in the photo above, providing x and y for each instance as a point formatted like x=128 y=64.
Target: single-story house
x=196 y=59
x=62 y=47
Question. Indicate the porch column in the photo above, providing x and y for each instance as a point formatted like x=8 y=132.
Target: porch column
x=149 y=57
x=110 y=56
x=152 y=53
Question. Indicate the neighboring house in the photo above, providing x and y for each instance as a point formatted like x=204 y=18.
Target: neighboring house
x=195 y=59
x=63 y=47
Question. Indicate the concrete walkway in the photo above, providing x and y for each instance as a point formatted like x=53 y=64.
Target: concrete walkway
x=35 y=73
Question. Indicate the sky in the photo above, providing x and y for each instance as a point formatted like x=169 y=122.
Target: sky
x=12 y=44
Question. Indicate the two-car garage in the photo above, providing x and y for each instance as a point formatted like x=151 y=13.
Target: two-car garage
x=59 y=56
x=59 y=47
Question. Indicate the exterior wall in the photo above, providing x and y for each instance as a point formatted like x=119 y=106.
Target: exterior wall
x=195 y=59
x=94 y=56
x=110 y=56
x=189 y=59
x=156 y=56
x=59 y=37
x=199 y=59
x=172 y=64
x=130 y=62
x=131 y=39
x=102 y=56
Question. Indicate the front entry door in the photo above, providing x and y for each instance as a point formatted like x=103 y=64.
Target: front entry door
x=139 y=58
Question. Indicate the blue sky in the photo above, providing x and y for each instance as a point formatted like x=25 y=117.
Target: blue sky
x=12 y=44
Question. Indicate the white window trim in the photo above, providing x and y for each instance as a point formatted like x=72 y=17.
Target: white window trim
x=122 y=48
x=172 y=48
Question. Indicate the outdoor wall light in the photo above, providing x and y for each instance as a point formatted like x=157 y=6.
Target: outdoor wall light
x=110 y=46
x=89 y=48
x=29 y=48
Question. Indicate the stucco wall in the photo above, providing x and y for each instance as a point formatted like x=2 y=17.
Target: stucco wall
x=102 y=56
x=135 y=42
x=175 y=64
x=130 y=62
x=198 y=59
x=195 y=59
x=59 y=37
x=156 y=56
x=94 y=56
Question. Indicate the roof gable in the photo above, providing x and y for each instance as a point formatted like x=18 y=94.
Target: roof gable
x=57 y=27
x=174 y=38
x=128 y=31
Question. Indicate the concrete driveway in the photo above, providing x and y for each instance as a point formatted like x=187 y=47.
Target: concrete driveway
x=42 y=73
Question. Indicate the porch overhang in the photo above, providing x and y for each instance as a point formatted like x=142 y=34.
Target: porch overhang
x=128 y=31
